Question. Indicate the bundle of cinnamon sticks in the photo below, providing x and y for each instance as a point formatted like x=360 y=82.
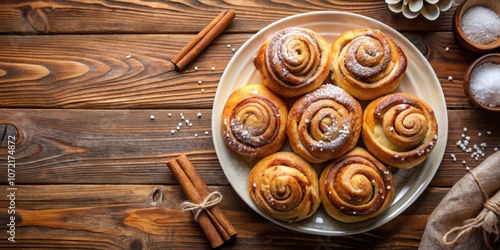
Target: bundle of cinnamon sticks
x=215 y=225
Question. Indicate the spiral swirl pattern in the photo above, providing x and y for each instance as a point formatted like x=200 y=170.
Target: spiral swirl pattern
x=367 y=63
x=366 y=57
x=254 y=121
x=400 y=129
x=294 y=61
x=356 y=187
x=324 y=124
x=285 y=187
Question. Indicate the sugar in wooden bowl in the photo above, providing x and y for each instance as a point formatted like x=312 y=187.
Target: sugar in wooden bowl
x=482 y=82
x=476 y=25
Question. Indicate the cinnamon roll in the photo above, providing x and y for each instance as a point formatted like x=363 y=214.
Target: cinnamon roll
x=254 y=121
x=367 y=63
x=324 y=124
x=400 y=129
x=294 y=61
x=356 y=187
x=285 y=187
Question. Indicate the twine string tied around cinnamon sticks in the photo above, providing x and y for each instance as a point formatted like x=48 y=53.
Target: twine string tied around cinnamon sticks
x=211 y=200
x=213 y=222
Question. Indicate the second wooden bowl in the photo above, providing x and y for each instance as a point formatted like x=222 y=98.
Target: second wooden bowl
x=494 y=58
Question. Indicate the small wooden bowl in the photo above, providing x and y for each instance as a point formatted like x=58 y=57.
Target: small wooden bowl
x=494 y=58
x=457 y=27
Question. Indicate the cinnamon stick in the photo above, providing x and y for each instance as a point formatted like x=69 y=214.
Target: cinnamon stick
x=198 y=43
x=213 y=222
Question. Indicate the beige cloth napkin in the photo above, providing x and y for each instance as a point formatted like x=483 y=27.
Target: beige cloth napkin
x=468 y=216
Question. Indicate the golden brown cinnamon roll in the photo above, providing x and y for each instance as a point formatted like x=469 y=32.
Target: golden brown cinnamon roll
x=294 y=61
x=367 y=63
x=324 y=124
x=254 y=121
x=400 y=129
x=285 y=187
x=356 y=187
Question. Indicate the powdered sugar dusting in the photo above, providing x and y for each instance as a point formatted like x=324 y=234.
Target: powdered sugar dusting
x=296 y=57
x=238 y=128
x=336 y=138
x=285 y=55
x=330 y=91
x=326 y=119
x=367 y=56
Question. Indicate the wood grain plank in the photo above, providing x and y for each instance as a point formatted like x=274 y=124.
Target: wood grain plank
x=77 y=146
x=134 y=16
x=95 y=71
x=70 y=71
x=88 y=146
x=130 y=217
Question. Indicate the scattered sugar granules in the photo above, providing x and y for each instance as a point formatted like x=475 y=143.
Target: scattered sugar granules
x=481 y=25
x=454 y=157
x=476 y=151
x=185 y=121
x=485 y=85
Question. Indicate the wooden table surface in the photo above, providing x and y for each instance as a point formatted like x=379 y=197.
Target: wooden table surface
x=79 y=81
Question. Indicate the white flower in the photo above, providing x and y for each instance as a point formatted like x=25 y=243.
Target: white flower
x=430 y=9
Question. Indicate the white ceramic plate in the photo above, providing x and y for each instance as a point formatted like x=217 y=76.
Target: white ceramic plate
x=419 y=80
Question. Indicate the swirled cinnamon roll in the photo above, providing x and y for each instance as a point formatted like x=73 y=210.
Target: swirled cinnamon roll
x=356 y=187
x=294 y=61
x=400 y=129
x=285 y=187
x=254 y=121
x=324 y=124
x=367 y=63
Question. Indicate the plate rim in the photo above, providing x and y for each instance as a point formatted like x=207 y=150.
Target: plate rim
x=442 y=132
